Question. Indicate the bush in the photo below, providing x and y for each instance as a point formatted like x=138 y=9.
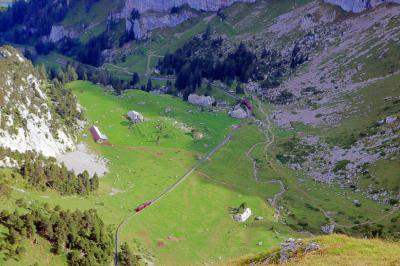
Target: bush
x=341 y=165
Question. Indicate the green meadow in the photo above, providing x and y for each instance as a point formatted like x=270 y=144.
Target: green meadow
x=193 y=223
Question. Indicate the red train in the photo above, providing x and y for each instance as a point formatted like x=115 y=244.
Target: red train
x=143 y=206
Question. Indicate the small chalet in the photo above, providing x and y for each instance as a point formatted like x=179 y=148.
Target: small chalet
x=97 y=135
x=242 y=217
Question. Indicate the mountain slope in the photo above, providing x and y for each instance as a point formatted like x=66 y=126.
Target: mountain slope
x=28 y=117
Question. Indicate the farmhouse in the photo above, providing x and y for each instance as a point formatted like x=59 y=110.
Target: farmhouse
x=242 y=217
x=97 y=135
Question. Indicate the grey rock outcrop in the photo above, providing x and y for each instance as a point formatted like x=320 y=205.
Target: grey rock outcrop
x=59 y=32
x=358 y=6
x=200 y=100
x=165 y=5
x=26 y=111
x=156 y=14
x=289 y=250
x=239 y=112
x=145 y=24
x=328 y=229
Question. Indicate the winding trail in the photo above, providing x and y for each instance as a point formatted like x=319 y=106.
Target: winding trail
x=173 y=187
x=265 y=126
x=218 y=87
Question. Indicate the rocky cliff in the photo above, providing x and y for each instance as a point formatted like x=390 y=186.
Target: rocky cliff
x=147 y=23
x=358 y=6
x=156 y=14
x=59 y=32
x=164 y=5
x=27 y=119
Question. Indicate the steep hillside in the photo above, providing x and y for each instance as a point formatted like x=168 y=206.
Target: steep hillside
x=29 y=118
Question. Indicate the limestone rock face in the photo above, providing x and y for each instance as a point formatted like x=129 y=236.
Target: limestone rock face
x=26 y=115
x=145 y=24
x=59 y=32
x=358 y=6
x=165 y=5
x=201 y=100
x=155 y=14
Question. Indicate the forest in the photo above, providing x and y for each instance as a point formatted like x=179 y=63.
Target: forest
x=45 y=172
x=80 y=234
x=190 y=66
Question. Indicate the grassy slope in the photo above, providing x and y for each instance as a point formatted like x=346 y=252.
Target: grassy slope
x=343 y=250
x=77 y=15
x=369 y=106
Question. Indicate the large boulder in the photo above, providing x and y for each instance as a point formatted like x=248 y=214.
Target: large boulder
x=201 y=100
x=328 y=229
x=135 y=117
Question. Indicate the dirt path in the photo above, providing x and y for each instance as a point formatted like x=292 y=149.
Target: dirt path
x=218 y=87
x=149 y=57
x=172 y=187
x=265 y=126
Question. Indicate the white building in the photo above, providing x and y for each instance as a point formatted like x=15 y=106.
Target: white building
x=135 y=117
x=242 y=217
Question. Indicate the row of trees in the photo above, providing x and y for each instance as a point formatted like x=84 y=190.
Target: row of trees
x=43 y=172
x=80 y=234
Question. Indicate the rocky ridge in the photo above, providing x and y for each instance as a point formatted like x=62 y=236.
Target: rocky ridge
x=156 y=14
x=161 y=6
x=27 y=119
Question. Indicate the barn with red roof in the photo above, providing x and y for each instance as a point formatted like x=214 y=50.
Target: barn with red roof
x=97 y=135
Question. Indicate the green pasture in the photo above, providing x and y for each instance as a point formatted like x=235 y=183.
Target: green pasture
x=192 y=224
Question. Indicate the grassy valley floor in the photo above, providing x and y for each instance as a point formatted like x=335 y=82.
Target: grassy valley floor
x=192 y=224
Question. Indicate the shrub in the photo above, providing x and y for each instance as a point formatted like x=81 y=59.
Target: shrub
x=341 y=165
